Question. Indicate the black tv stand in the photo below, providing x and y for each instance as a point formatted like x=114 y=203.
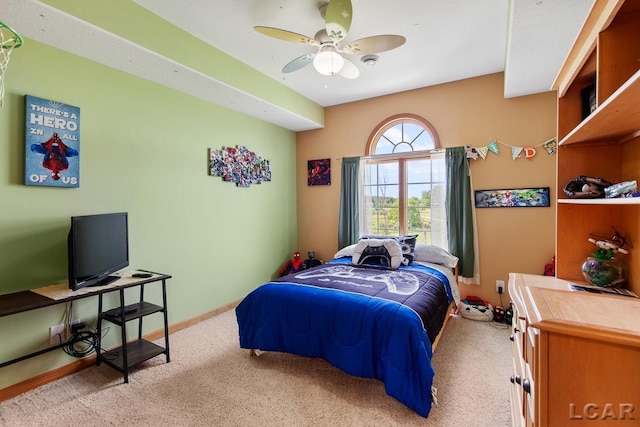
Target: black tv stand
x=121 y=358
x=131 y=353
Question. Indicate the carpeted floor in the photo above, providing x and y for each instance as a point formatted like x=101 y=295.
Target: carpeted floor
x=210 y=381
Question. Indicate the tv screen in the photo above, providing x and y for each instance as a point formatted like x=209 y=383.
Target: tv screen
x=98 y=246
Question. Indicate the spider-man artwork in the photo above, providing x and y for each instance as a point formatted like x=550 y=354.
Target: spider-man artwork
x=55 y=155
x=319 y=172
x=52 y=143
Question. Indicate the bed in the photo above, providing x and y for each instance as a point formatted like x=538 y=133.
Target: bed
x=368 y=320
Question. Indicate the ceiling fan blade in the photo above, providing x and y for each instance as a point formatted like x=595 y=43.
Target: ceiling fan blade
x=338 y=19
x=374 y=44
x=349 y=70
x=298 y=63
x=285 y=35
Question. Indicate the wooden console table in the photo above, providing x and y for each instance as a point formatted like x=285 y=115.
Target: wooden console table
x=125 y=356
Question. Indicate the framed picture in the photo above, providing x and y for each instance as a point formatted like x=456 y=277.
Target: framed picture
x=319 y=172
x=513 y=198
x=52 y=143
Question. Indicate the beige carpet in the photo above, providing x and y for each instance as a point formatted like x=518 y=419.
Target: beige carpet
x=210 y=381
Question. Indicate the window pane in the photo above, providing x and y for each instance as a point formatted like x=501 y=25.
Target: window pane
x=385 y=209
x=439 y=215
x=393 y=134
x=411 y=131
x=424 y=142
x=403 y=147
x=388 y=173
x=384 y=147
x=439 y=166
x=419 y=209
x=381 y=198
x=418 y=171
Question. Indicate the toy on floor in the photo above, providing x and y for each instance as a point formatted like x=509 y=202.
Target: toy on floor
x=475 y=308
x=293 y=265
x=508 y=315
x=312 y=261
x=550 y=269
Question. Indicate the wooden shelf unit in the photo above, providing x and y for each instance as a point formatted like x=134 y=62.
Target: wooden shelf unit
x=575 y=354
x=604 y=144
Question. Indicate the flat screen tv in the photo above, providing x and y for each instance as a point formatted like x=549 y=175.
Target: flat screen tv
x=98 y=246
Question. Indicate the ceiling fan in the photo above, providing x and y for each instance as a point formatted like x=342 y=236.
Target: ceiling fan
x=328 y=59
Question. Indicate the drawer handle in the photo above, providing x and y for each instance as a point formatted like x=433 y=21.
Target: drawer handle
x=526 y=386
x=512 y=338
x=516 y=330
x=515 y=379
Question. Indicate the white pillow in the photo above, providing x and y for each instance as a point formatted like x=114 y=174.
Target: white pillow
x=381 y=252
x=435 y=255
x=346 y=251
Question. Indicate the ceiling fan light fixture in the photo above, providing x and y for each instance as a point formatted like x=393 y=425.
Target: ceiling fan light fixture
x=328 y=61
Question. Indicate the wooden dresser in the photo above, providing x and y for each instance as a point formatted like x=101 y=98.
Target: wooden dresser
x=576 y=355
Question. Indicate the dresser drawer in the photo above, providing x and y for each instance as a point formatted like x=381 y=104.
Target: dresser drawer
x=530 y=346
x=528 y=399
x=515 y=394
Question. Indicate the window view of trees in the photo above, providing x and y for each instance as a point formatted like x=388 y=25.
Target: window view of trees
x=385 y=218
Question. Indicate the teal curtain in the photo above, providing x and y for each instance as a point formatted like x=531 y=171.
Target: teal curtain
x=459 y=210
x=348 y=226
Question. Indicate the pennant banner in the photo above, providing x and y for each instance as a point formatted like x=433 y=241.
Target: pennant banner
x=515 y=152
x=529 y=152
x=493 y=147
x=550 y=145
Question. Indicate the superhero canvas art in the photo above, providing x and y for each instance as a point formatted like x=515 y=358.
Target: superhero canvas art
x=52 y=143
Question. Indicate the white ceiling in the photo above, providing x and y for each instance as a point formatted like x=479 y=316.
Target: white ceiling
x=447 y=40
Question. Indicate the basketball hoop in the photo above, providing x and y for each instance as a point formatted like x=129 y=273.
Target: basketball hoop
x=9 y=40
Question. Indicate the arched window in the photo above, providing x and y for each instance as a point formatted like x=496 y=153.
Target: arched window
x=404 y=133
x=403 y=181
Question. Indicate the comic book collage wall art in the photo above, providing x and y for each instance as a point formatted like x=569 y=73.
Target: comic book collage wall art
x=239 y=165
x=52 y=143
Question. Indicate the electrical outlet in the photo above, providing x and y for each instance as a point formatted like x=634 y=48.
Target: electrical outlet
x=61 y=333
x=68 y=330
x=499 y=286
x=57 y=334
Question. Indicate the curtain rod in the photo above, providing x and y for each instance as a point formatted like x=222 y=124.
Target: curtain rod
x=394 y=156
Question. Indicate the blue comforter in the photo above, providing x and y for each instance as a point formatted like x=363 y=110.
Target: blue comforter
x=367 y=322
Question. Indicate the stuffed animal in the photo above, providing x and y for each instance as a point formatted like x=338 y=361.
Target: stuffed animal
x=550 y=269
x=311 y=261
x=498 y=313
x=293 y=265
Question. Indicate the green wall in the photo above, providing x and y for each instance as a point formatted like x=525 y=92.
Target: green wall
x=144 y=150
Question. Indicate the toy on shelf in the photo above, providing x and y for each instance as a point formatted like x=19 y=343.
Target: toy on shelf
x=586 y=187
x=624 y=189
x=602 y=268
